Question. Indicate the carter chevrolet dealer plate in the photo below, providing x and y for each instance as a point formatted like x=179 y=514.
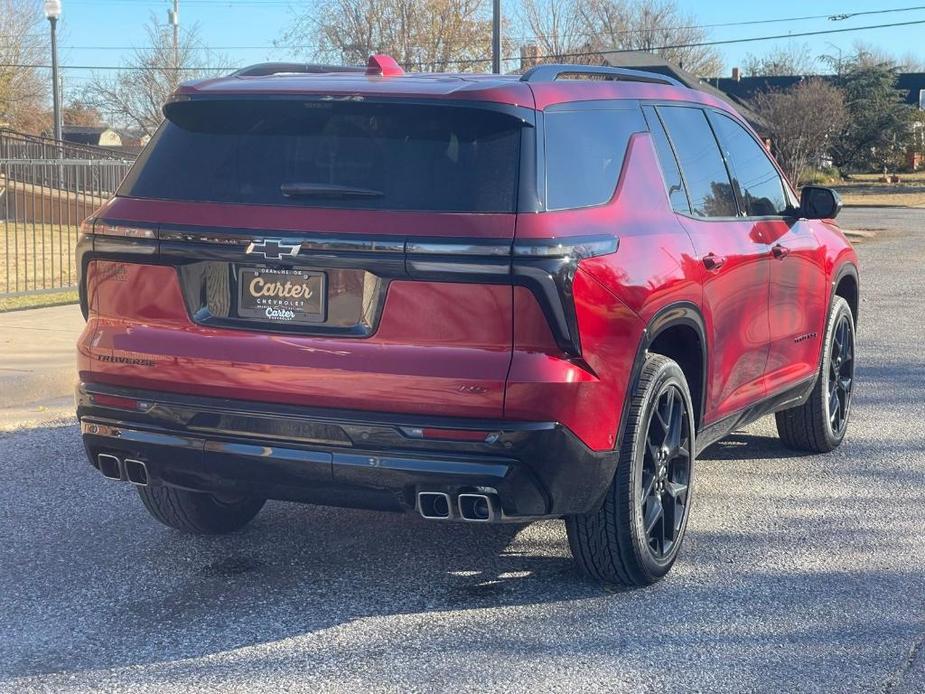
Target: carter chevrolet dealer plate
x=281 y=296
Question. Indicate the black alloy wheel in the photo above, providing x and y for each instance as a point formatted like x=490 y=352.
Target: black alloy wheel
x=841 y=374
x=666 y=471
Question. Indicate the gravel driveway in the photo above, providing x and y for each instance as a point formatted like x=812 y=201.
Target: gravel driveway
x=799 y=573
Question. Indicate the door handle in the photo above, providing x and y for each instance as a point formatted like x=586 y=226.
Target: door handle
x=713 y=262
x=779 y=251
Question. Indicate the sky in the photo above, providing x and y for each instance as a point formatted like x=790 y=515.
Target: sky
x=102 y=32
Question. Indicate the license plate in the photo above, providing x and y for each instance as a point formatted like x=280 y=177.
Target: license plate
x=281 y=296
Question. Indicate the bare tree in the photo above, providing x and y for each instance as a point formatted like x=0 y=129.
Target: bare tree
x=585 y=30
x=802 y=123
x=436 y=35
x=78 y=112
x=789 y=59
x=23 y=89
x=135 y=96
x=558 y=29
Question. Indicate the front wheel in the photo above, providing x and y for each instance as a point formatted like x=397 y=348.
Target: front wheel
x=634 y=538
x=820 y=424
x=199 y=513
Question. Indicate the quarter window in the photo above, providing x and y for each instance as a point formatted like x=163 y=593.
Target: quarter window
x=674 y=184
x=756 y=181
x=708 y=185
x=584 y=154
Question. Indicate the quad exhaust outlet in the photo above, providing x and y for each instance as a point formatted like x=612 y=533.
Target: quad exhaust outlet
x=469 y=506
x=114 y=468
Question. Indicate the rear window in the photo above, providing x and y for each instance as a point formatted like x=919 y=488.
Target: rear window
x=584 y=153
x=333 y=154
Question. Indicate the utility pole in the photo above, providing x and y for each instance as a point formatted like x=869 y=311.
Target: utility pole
x=496 y=37
x=173 y=16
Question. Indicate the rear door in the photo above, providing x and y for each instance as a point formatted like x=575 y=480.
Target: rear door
x=797 y=274
x=734 y=254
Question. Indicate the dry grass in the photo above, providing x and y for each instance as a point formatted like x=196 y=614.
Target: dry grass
x=866 y=189
x=19 y=303
x=36 y=256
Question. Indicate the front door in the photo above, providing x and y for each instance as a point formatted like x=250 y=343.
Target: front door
x=735 y=259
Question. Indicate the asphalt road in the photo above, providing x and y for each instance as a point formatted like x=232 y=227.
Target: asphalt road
x=799 y=573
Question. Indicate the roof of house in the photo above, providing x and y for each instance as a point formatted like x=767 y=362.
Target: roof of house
x=745 y=88
x=84 y=129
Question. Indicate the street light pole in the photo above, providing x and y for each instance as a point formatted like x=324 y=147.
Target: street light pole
x=53 y=12
x=496 y=37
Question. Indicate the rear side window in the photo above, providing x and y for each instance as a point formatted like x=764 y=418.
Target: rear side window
x=584 y=154
x=757 y=182
x=708 y=186
x=333 y=154
x=674 y=184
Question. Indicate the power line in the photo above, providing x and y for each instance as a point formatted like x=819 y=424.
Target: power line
x=748 y=22
x=469 y=61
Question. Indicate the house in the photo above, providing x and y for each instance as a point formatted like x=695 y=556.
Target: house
x=912 y=84
x=744 y=88
x=99 y=136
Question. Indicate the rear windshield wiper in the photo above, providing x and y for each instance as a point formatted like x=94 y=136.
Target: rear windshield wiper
x=326 y=190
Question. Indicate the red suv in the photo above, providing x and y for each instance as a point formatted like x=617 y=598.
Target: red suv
x=482 y=298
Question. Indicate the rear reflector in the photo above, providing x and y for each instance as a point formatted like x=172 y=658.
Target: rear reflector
x=450 y=434
x=119 y=403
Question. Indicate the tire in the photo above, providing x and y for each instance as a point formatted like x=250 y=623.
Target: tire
x=819 y=425
x=199 y=513
x=612 y=544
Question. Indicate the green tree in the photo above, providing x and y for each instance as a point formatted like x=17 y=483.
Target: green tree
x=880 y=126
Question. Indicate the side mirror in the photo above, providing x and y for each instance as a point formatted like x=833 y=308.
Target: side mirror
x=817 y=202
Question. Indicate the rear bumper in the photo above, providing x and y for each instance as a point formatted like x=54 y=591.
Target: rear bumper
x=341 y=458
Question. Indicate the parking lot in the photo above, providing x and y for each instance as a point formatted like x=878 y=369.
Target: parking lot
x=799 y=573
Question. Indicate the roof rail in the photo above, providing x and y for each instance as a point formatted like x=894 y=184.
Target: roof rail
x=265 y=69
x=552 y=72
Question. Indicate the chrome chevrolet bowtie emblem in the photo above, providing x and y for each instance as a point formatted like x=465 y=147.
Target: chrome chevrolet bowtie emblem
x=273 y=249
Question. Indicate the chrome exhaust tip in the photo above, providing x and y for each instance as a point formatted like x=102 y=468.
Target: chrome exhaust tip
x=434 y=505
x=110 y=466
x=136 y=472
x=479 y=508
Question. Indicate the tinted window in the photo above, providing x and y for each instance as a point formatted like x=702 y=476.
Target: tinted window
x=389 y=156
x=584 y=154
x=708 y=185
x=757 y=182
x=674 y=184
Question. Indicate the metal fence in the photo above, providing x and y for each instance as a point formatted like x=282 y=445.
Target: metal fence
x=43 y=200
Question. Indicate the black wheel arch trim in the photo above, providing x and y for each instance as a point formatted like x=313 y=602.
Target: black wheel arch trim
x=846 y=269
x=680 y=313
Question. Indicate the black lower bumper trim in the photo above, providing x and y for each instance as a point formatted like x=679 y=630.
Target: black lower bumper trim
x=366 y=460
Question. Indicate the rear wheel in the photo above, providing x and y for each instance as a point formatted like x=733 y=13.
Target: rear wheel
x=635 y=537
x=199 y=513
x=820 y=424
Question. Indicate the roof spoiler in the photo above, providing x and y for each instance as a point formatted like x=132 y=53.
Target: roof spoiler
x=552 y=72
x=378 y=65
x=266 y=69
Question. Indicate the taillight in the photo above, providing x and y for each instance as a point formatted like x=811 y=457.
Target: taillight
x=101 y=228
